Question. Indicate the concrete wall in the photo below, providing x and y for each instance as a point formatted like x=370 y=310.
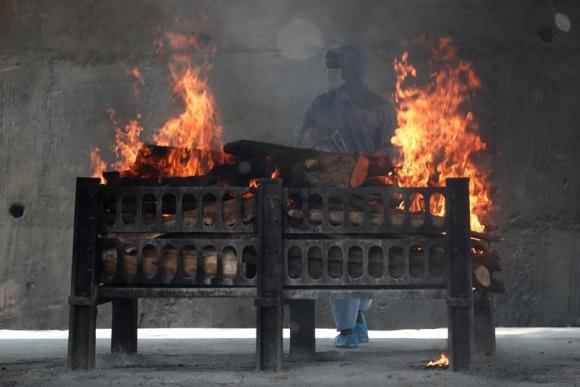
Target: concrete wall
x=63 y=63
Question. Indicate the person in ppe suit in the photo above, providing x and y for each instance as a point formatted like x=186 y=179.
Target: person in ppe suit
x=348 y=118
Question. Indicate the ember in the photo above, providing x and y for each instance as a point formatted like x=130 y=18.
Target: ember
x=438 y=138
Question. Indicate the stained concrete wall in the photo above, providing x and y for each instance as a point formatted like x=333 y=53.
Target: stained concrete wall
x=63 y=63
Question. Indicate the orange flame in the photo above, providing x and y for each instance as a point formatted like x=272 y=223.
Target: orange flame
x=195 y=135
x=442 y=362
x=198 y=127
x=139 y=81
x=127 y=142
x=276 y=174
x=438 y=138
x=98 y=165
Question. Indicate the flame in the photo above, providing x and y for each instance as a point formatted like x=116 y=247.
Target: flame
x=388 y=179
x=442 y=362
x=139 y=81
x=127 y=142
x=255 y=183
x=439 y=139
x=195 y=134
x=98 y=165
x=197 y=127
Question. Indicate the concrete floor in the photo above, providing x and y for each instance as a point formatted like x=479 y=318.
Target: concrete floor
x=222 y=357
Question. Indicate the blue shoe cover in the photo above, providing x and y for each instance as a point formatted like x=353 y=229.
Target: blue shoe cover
x=361 y=330
x=346 y=341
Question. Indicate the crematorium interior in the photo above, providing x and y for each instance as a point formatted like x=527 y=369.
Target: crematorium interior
x=289 y=192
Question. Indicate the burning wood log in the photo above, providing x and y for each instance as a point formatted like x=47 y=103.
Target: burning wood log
x=301 y=167
x=485 y=261
x=246 y=160
x=483 y=279
x=482 y=276
x=488 y=259
x=307 y=167
x=487 y=237
x=154 y=161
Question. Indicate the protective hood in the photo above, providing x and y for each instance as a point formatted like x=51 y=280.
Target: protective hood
x=353 y=64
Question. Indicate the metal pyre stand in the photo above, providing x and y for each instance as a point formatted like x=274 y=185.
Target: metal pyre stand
x=134 y=242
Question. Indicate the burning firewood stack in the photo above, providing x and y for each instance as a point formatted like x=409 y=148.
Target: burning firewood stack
x=436 y=131
x=486 y=262
x=243 y=163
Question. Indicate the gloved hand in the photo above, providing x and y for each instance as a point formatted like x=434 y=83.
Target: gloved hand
x=316 y=138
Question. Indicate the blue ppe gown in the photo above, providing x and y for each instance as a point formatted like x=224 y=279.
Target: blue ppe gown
x=364 y=122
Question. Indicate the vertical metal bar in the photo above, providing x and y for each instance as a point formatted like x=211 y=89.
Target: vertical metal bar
x=365 y=263
x=345 y=277
x=83 y=306
x=179 y=264
x=302 y=328
x=119 y=211
x=124 y=326
x=139 y=208
x=158 y=206
x=483 y=324
x=269 y=302
x=179 y=208
x=459 y=293
x=219 y=220
x=325 y=276
x=82 y=337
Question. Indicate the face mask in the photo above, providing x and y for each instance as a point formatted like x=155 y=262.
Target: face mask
x=334 y=78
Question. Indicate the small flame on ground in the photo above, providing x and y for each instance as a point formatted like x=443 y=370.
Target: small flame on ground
x=442 y=362
x=438 y=138
x=276 y=174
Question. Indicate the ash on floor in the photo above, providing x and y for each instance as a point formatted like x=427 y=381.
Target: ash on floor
x=222 y=357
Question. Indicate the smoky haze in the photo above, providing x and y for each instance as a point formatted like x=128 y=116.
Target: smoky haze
x=64 y=63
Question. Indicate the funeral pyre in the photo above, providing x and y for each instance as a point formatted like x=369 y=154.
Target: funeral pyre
x=438 y=136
